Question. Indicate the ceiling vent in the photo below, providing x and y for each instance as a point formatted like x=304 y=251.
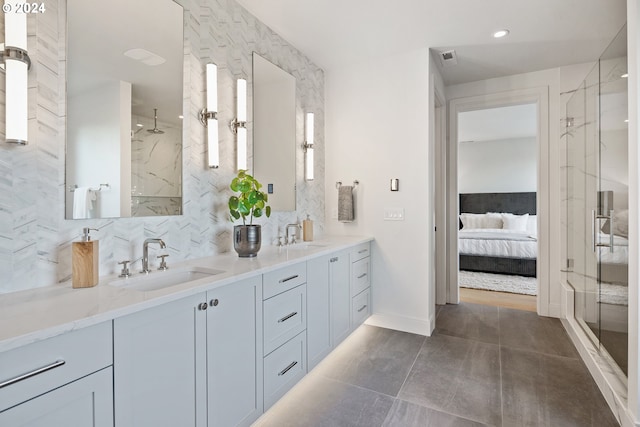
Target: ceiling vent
x=448 y=58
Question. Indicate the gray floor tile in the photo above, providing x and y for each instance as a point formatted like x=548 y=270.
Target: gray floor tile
x=528 y=331
x=406 y=414
x=322 y=402
x=544 y=390
x=472 y=321
x=457 y=376
x=374 y=358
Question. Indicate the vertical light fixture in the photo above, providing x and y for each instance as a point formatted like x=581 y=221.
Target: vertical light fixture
x=239 y=124
x=209 y=116
x=16 y=64
x=308 y=147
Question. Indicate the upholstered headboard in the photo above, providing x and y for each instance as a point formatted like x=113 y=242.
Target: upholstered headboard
x=515 y=203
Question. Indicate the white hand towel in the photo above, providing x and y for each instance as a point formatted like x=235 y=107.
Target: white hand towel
x=83 y=198
x=345 y=203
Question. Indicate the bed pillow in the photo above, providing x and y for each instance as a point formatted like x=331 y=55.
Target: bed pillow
x=475 y=221
x=515 y=222
x=620 y=224
x=532 y=225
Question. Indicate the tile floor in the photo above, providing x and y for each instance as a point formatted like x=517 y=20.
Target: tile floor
x=483 y=366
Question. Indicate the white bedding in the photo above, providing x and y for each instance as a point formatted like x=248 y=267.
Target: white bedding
x=620 y=253
x=498 y=243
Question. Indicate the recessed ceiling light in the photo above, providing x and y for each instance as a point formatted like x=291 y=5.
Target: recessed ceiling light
x=139 y=125
x=181 y=117
x=500 y=33
x=626 y=120
x=625 y=75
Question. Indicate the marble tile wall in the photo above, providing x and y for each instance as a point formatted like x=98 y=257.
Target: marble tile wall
x=35 y=239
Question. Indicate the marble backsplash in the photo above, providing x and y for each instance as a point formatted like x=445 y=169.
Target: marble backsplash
x=35 y=239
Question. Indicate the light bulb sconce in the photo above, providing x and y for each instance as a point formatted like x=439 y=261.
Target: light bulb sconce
x=308 y=146
x=209 y=116
x=239 y=124
x=15 y=62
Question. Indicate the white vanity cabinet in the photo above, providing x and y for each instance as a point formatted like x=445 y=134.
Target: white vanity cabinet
x=61 y=381
x=284 y=323
x=340 y=297
x=160 y=365
x=360 y=284
x=318 y=310
x=234 y=353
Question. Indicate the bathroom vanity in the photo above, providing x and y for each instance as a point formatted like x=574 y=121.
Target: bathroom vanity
x=216 y=350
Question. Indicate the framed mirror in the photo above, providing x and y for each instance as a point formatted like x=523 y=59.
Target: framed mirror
x=274 y=132
x=124 y=108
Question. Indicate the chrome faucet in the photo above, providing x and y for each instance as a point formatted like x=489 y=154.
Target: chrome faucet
x=145 y=253
x=297 y=226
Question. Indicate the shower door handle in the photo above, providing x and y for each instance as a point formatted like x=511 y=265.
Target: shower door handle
x=595 y=221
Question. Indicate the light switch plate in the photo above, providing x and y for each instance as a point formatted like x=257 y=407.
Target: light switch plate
x=394 y=214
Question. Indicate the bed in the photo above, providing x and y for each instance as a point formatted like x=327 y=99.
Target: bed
x=498 y=233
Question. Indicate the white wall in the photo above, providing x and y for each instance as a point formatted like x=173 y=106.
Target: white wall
x=503 y=166
x=98 y=142
x=378 y=128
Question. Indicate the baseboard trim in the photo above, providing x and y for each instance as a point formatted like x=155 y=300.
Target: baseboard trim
x=405 y=324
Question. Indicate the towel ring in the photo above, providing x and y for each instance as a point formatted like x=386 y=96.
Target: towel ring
x=339 y=184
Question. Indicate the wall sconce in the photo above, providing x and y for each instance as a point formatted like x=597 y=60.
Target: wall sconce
x=16 y=63
x=239 y=124
x=308 y=147
x=209 y=116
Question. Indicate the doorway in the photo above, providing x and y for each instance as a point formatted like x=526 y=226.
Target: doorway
x=497 y=193
x=537 y=101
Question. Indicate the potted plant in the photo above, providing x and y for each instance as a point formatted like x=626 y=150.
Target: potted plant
x=248 y=203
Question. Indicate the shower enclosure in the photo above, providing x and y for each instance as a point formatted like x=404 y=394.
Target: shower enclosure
x=597 y=201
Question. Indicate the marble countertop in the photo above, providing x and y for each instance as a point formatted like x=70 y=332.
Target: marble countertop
x=36 y=314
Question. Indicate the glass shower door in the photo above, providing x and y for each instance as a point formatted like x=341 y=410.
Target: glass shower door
x=597 y=202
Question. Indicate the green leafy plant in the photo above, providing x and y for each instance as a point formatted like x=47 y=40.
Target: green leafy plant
x=250 y=202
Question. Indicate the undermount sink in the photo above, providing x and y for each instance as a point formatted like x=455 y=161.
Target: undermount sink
x=163 y=279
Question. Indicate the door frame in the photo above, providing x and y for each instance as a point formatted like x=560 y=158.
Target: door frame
x=540 y=97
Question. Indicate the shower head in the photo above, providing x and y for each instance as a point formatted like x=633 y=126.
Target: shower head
x=155 y=123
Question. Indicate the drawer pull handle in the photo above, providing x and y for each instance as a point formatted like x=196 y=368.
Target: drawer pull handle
x=287 y=317
x=287 y=369
x=362 y=251
x=334 y=259
x=289 y=278
x=33 y=373
x=362 y=308
x=362 y=275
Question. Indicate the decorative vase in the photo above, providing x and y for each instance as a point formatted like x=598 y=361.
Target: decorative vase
x=246 y=240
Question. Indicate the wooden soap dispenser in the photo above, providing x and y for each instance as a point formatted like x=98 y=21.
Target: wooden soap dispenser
x=84 y=261
x=307 y=230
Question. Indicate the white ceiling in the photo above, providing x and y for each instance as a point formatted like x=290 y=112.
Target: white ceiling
x=544 y=33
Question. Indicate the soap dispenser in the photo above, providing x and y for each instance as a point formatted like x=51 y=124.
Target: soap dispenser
x=84 y=261
x=307 y=229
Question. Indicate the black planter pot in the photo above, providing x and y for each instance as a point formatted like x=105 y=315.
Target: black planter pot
x=247 y=240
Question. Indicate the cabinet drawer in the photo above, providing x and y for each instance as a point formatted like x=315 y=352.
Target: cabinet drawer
x=276 y=282
x=283 y=368
x=360 y=308
x=284 y=317
x=363 y=250
x=36 y=368
x=360 y=271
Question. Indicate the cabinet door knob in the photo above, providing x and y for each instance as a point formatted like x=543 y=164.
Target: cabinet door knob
x=202 y=306
x=214 y=302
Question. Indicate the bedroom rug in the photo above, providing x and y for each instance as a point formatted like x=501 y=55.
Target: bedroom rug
x=498 y=282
